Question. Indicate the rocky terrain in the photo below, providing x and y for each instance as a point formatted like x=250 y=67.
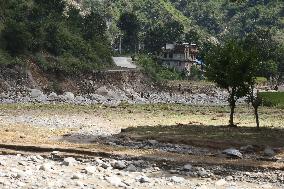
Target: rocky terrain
x=110 y=87
x=87 y=126
x=114 y=96
x=56 y=171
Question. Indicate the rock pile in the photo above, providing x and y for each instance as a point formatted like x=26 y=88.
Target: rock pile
x=18 y=171
x=114 y=96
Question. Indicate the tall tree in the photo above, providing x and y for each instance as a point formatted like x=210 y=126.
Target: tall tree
x=232 y=68
x=129 y=24
x=158 y=36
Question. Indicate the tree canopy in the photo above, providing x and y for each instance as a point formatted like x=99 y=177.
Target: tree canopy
x=232 y=68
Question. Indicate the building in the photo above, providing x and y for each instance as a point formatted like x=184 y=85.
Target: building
x=180 y=56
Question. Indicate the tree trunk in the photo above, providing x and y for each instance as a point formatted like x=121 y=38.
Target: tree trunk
x=232 y=103
x=256 y=117
x=232 y=106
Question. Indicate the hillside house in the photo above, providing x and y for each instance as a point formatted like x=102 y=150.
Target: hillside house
x=180 y=56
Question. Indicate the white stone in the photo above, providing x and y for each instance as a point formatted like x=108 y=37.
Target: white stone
x=119 y=165
x=35 y=93
x=46 y=167
x=187 y=167
x=52 y=96
x=70 y=161
x=269 y=152
x=176 y=179
x=221 y=182
x=115 y=181
x=91 y=170
x=232 y=152
x=153 y=142
x=131 y=168
x=143 y=179
x=69 y=96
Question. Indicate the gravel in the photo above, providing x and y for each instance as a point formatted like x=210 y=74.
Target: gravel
x=113 y=96
x=87 y=173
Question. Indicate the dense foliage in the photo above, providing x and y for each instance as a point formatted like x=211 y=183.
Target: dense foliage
x=272 y=98
x=157 y=72
x=54 y=34
x=233 y=68
x=207 y=23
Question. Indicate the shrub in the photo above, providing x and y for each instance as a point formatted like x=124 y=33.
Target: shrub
x=157 y=72
x=5 y=58
x=272 y=98
x=16 y=37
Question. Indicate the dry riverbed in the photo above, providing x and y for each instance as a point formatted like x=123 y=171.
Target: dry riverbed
x=161 y=146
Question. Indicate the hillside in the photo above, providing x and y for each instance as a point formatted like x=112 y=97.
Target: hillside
x=54 y=35
x=70 y=40
x=207 y=17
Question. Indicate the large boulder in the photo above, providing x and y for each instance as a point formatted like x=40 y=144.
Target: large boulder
x=234 y=153
x=35 y=93
x=52 y=96
x=103 y=91
x=69 y=96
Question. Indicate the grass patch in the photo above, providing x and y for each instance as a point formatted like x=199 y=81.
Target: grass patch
x=209 y=136
x=273 y=99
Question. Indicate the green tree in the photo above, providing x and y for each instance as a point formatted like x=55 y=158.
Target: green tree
x=154 y=39
x=262 y=40
x=157 y=37
x=16 y=36
x=232 y=68
x=94 y=27
x=173 y=31
x=129 y=24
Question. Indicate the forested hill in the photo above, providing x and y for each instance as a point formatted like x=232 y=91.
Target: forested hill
x=73 y=35
x=54 y=35
x=208 y=17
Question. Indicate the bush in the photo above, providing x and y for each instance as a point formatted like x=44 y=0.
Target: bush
x=272 y=98
x=5 y=58
x=261 y=80
x=35 y=26
x=42 y=62
x=157 y=72
x=195 y=73
x=16 y=37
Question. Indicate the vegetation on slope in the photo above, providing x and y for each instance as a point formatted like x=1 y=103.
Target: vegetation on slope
x=56 y=36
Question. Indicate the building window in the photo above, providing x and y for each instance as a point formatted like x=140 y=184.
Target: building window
x=171 y=55
x=165 y=55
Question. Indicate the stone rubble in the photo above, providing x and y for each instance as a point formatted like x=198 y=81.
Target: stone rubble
x=50 y=173
x=114 y=97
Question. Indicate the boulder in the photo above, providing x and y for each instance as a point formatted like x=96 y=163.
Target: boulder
x=46 y=167
x=69 y=161
x=248 y=148
x=176 y=179
x=234 y=153
x=187 y=167
x=269 y=152
x=35 y=93
x=103 y=91
x=69 y=96
x=119 y=165
x=153 y=142
x=143 y=179
x=131 y=168
x=115 y=181
x=221 y=182
x=90 y=170
x=52 y=96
